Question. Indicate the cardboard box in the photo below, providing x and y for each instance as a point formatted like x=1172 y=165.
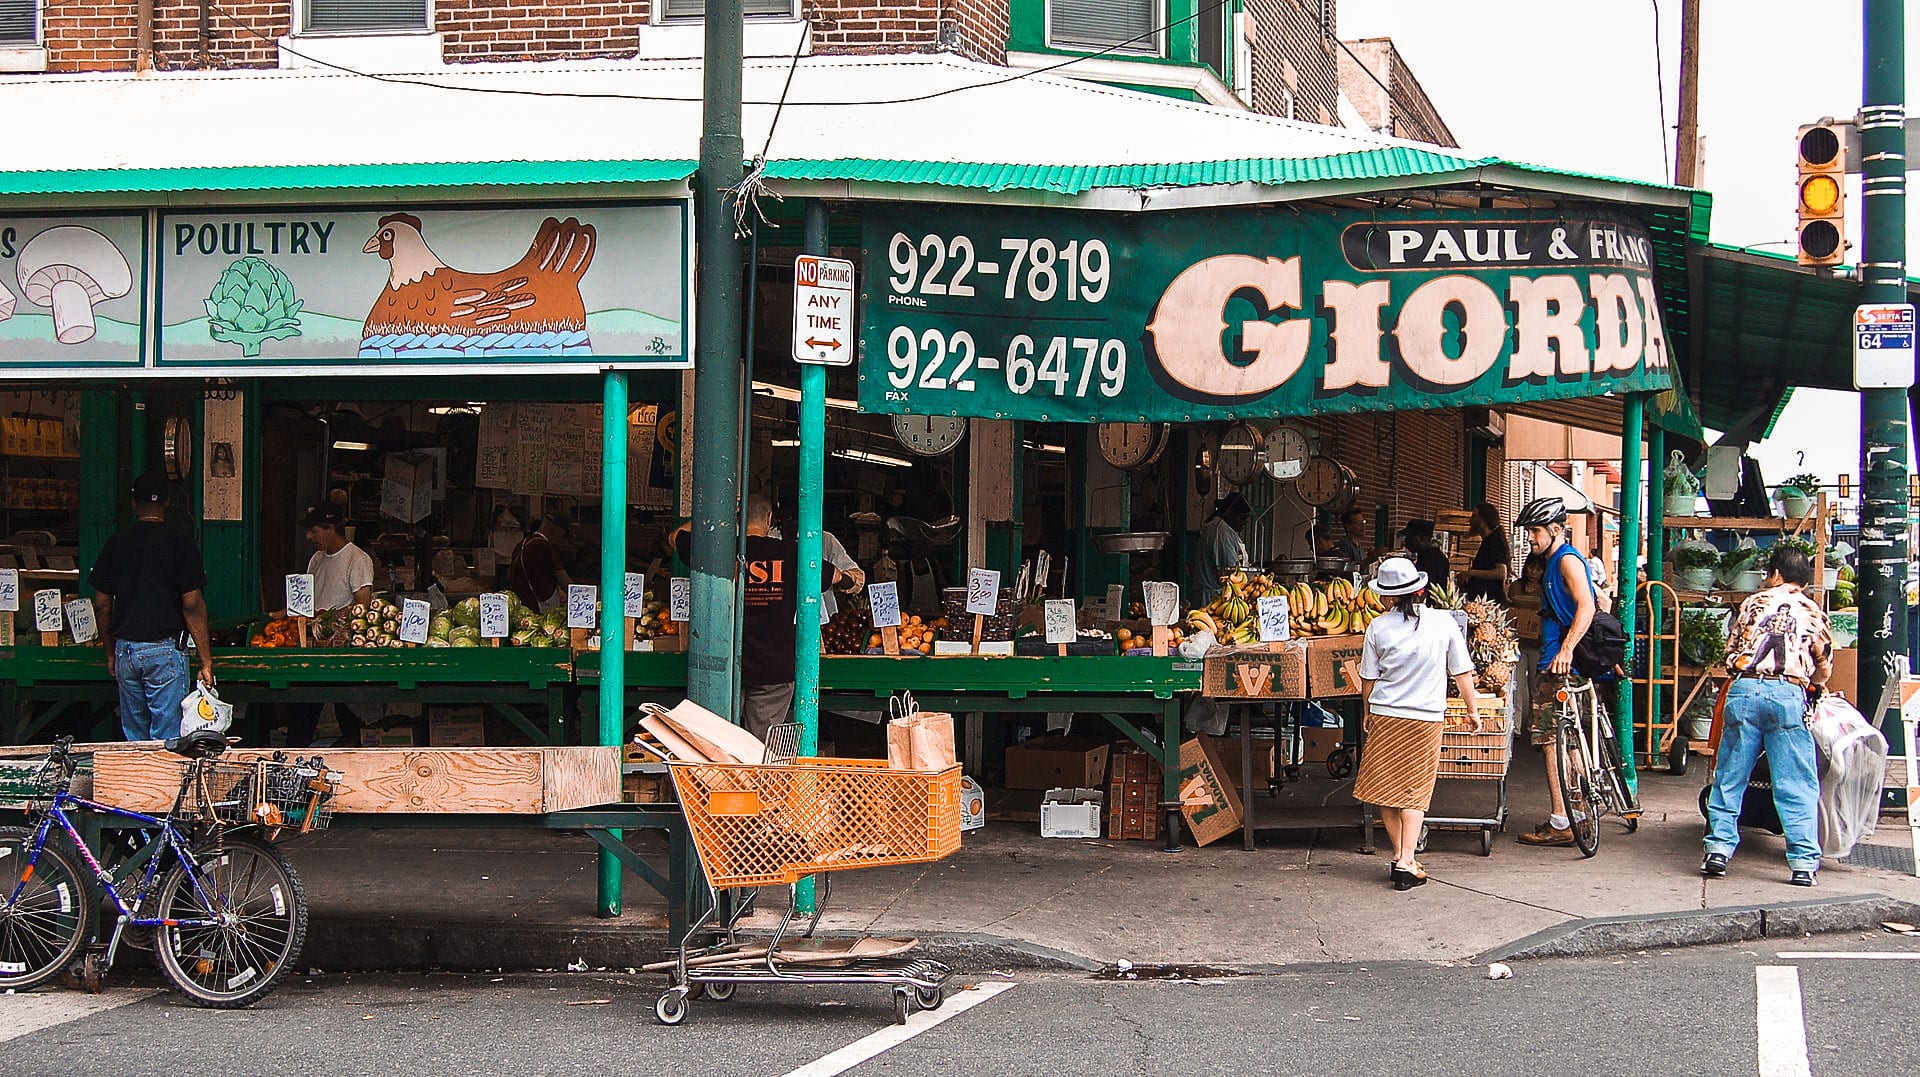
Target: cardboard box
x=1272 y=671
x=1207 y=799
x=456 y=727
x=1316 y=743
x=1228 y=749
x=1071 y=813
x=1526 y=623
x=1846 y=676
x=400 y=737
x=1057 y=762
x=1326 y=660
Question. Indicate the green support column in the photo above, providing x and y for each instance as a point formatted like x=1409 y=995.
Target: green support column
x=1656 y=552
x=101 y=479
x=712 y=673
x=813 y=470
x=1632 y=493
x=1883 y=412
x=613 y=590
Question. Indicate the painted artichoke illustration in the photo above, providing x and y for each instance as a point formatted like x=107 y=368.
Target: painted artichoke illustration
x=253 y=302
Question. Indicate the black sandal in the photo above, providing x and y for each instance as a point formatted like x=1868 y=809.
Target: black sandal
x=1406 y=880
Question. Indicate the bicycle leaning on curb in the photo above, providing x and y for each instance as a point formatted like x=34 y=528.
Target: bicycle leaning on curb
x=228 y=915
x=1593 y=778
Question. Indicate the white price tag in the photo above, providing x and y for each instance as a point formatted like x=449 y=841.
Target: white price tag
x=1062 y=624
x=1163 y=601
x=493 y=616
x=414 y=616
x=80 y=616
x=300 y=594
x=983 y=591
x=1116 y=602
x=9 y=590
x=680 y=599
x=46 y=612
x=885 y=600
x=636 y=598
x=583 y=601
x=1276 y=619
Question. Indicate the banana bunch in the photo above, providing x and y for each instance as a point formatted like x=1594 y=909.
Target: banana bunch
x=1332 y=608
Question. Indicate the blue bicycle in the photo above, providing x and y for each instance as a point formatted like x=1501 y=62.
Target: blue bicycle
x=227 y=915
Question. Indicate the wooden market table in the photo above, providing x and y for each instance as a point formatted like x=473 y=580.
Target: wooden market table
x=506 y=679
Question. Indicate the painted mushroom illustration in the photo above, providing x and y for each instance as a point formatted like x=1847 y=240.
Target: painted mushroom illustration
x=70 y=269
x=6 y=302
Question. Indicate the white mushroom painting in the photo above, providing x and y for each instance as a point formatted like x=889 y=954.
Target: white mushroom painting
x=6 y=302
x=70 y=269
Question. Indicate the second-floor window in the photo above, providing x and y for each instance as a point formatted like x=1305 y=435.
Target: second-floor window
x=694 y=9
x=19 y=22
x=361 y=16
x=1128 y=26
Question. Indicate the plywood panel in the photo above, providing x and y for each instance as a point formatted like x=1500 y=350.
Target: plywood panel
x=488 y=781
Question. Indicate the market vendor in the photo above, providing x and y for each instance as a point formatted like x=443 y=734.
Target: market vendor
x=1417 y=537
x=1487 y=577
x=342 y=576
x=535 y=572
x=1221 y=547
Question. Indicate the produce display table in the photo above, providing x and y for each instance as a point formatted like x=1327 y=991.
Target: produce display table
x=507 y=679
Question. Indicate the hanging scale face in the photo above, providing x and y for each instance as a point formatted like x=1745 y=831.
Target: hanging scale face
x=176 y=447
x=1287 y=450
x=1131 y=445
x=929 y=435
x=1321 y=482
x=1240 y=453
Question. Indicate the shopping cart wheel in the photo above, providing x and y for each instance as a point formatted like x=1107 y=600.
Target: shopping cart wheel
x=1486 y=841
x=1340 y=763
x=929 y=998
x=902 y=1005
x=671 y=1008
x=720 y=992
x=1633 y=823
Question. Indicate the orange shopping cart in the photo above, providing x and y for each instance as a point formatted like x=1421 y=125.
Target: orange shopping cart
x=789 y=819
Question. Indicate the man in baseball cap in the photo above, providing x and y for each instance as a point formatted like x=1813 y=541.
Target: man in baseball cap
x=342 y=576
x=149 y=589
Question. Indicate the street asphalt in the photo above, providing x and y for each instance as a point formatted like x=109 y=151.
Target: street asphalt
x=1692 y=1011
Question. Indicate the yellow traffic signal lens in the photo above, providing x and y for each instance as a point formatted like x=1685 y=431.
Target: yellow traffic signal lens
x=1819 y=146
x=1819 y=195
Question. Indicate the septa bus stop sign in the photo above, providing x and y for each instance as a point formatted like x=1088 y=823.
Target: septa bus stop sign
x=823 y=328
x=1883 y=346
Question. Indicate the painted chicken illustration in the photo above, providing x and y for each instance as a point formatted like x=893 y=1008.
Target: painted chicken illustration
x=427 y=300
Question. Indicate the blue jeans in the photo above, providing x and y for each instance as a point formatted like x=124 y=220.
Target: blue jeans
x=153 y=680
x=1767 y=714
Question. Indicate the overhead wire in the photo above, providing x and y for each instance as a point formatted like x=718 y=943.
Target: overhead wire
x=1660 y=80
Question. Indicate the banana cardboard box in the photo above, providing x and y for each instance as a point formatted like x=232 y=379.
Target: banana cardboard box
x=1327 y=657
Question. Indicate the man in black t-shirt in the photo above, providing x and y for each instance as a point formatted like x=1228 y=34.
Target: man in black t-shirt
x=767 y=617
x=149 y=590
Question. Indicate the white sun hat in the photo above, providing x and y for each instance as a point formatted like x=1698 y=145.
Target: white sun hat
x=1397 y=576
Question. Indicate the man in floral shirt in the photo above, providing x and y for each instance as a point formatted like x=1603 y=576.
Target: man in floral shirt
x=1780 y=647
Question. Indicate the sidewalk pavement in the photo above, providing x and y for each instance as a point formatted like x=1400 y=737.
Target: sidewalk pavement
x=488 y=899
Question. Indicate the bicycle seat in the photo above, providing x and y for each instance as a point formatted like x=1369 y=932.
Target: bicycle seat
x=199 y=744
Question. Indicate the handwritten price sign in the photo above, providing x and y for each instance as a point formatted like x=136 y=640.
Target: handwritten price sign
x=1116 y=602
x=636 y=596
x=9 y=590
x=1163 y=602
x=300 y=595
x=884 y=598
x=1062 y=624
x=414 y=615
x=493 y=616
x=80 y=616
x=46 y=611
x=583 y=601
x=1276 y=619
x=983 y=591
x=680 y=599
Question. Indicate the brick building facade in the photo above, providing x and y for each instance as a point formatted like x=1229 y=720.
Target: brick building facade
x=1376 y=79
x=1296 y=63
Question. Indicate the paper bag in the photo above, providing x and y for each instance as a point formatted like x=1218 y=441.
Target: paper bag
x=921 y=741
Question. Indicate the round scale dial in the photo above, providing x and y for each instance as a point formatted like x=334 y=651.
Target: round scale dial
x=1240 y=453
x=176 y=447
x=1321 y=482
x=929 y=435
x=1287 y=452
x=1131 y=445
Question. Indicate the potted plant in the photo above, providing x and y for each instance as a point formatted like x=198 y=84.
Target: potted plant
x=1694 y=565
x=1796 y=495
x=1740 y=569
x=1681 y=486
x=1703 y=637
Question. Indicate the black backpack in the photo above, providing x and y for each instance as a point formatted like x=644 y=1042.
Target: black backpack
x=1603 y=649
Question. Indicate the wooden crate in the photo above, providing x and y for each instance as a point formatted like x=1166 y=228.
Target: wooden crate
x=1133 y=796
x=470 y=781
x=1475 y=755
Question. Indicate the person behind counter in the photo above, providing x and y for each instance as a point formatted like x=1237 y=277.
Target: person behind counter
x=1221 y=547
x=1487 y=578
x=767 y=619
x=1417 y=536
x=342 y=576
x=1404 y=665
x=535 y=572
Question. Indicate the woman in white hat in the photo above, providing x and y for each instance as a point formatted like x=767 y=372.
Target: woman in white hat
x=1404 y=666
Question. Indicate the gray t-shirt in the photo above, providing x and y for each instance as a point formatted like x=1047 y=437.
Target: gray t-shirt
x=1409 y=662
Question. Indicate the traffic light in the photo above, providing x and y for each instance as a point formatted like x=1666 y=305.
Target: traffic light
x=1821 y=199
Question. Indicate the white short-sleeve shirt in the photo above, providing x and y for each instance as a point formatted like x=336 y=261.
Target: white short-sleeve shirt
x=337 y=575
x=1409 y=662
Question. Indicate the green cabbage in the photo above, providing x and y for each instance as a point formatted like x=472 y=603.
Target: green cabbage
x=253 y=302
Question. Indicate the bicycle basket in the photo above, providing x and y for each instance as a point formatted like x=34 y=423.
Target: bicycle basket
x=293 y=796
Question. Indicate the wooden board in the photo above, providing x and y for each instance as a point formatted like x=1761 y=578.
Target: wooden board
x=480 y=781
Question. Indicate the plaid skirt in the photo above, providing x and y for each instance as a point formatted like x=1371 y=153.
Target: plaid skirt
x=1398 y=762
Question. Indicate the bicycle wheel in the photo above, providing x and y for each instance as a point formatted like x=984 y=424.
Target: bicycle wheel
x=259 y=921
x=43 y=911
x=1576 y=785
x=1619 y=791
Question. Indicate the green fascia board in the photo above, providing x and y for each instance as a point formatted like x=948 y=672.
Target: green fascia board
x=339 y=177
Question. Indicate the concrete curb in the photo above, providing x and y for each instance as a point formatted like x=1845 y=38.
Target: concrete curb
x=364 y=944
x=1701 y=927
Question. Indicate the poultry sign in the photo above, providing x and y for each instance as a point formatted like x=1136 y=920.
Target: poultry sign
x=400 y=287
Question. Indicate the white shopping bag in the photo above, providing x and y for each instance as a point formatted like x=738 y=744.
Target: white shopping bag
x=204 y=709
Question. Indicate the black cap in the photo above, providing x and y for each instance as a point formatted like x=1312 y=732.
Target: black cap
x=1418 y=529
x=1233 y=502
x=150 y=489
x=325 y=513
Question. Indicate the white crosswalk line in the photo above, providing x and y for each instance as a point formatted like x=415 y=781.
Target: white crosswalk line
x=1846 y=955
x=35 y=1010
x=1781 y=1022
x=894 y=1035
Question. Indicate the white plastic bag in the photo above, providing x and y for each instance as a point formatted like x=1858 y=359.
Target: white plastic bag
x=1856 y=765
x=204 y=709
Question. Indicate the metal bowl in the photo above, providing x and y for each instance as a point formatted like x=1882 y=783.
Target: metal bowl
x=1332 y=564
x=1131 y=542
x=1294 y=566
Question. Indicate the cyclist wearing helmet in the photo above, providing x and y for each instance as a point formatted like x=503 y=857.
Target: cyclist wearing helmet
x=1567 y=604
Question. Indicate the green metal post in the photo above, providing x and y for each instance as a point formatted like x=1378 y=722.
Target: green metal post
x=1627 y=577
x=813 y=470
x=102 y=482
x=613 y=591
x=711 y=670
x=1883 y=412
x=1656 y=550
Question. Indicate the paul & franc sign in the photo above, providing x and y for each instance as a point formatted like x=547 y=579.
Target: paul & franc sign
x=1071 y=316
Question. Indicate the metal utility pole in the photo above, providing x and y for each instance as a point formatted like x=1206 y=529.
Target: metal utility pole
x=1883 y=412
x=711 y=672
